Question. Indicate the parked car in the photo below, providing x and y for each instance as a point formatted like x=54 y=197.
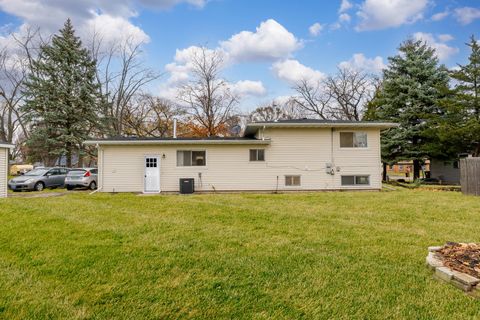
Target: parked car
x=81 y=178
x=39 y=179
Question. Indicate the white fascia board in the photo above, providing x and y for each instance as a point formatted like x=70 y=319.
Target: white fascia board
x=8 y=146
x=177 y=142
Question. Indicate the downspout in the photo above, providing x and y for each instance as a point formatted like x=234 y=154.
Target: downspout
x=101 y=173
x=332 y=158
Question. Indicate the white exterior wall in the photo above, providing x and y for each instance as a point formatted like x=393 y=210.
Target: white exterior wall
x=3 y=171
x=303 y=152
x=444 y=171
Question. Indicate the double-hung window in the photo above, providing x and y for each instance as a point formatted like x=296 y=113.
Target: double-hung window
x=257 y=154
x=353 y=140
x=189 y=158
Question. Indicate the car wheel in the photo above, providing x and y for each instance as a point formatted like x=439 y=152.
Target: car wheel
x=39 y=186
x=92 y=185
x=69 y=188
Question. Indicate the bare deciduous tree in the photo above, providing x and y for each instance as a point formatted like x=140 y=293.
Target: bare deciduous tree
x=121 y=73
x=275 y=111
x=208 y=98
x=350 y=90
x=151 y=116
x=312 y=98
x=342 y=96
x=16 y=59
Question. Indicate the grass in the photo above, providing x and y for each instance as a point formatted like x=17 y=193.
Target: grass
x=345 y=255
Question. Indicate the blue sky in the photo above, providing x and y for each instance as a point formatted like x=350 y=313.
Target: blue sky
x=269 y=44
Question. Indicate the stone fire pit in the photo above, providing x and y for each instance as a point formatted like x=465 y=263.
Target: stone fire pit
x=457 y=264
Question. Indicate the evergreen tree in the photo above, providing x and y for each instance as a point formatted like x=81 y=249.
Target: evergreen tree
x=459 y=130
x=61 y=97
x=412 y=85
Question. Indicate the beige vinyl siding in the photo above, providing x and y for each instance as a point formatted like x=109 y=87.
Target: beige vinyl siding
x=3 y=171
x=299 y=151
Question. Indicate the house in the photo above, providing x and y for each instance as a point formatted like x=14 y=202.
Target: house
x=289 y=155
x=4 y=149
x=446 y=171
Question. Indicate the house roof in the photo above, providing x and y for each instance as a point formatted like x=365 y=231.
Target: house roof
x=179 y=140
x=6 y=145
x=252 y=127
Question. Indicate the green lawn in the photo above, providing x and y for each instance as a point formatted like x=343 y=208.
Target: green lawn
x=345 y=255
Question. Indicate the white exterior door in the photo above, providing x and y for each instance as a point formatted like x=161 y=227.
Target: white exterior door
x=152 y=174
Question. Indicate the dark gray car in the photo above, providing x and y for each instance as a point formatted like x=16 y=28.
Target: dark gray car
x=39 y=179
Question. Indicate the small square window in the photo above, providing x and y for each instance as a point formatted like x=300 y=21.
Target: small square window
x=292 y=181
x=257 y=154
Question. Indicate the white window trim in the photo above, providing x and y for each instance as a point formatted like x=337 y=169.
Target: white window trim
x=200 y=167
x=353 y=148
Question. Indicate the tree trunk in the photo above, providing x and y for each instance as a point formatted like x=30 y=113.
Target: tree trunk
x=69 y=155
x=384 y=172
x=416 y=169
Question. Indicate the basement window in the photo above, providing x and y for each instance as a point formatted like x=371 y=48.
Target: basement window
x=353 y=140
x=189 y=158
x=355 y=180
x=291 y=181
x=257 y=154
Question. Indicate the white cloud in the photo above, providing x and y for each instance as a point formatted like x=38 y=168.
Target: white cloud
x=315 y=29
x=246 y=88
x=360 y=62
x=181 y=66
x=114 y=29
x=381 y=14
x=443 y=50
x=110 y=18
x=440 y=16
x=345 y=6
x=467 y=15
x=293 y=71
x=344 y=17
x=445 y=37
x=335 y=26
x=270 y=41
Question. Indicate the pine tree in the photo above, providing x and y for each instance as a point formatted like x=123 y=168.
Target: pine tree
x=412 y=85
x=465 y=109
x=61 y=96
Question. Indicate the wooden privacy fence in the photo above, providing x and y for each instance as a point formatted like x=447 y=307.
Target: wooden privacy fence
x=470 y=176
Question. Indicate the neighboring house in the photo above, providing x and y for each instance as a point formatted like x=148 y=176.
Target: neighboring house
x=288 y=155
x=446 y=171
x=4 y=149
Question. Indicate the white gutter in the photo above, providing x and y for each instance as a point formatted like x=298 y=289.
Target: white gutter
x=380 y=125
x=176 y=142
